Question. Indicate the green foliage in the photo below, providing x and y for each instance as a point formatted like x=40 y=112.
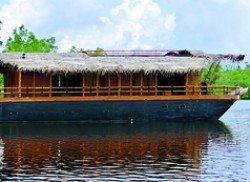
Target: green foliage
x=25 y=41
x=234 y=77
x=206 y=75
x=97 y=52
x=74 y=49
x=1 y=80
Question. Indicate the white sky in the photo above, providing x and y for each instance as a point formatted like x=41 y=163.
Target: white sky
x=214 y=26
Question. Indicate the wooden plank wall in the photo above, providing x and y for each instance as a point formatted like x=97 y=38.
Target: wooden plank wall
x=193 y=83
x=30 y=80
x=11 y=80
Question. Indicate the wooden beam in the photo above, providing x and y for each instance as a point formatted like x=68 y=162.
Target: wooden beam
x=130 y=84
x=141 y=82
x=50 y=84
x=111 y=98
x=109 y=83
x=34 y=84
x=83 y=84
x=186 y=84
x=97 y=83
x=156 y=82
x=19 y=83
x=119 y=83
x=199 y=83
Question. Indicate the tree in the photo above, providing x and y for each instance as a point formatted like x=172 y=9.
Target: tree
x=25 y=41
x=235 y=77
x=74 y=49
x=97 y=52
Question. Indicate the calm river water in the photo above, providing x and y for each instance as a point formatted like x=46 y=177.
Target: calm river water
x=159 y=151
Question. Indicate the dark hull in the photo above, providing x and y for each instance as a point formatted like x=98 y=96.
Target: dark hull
x=113 y=111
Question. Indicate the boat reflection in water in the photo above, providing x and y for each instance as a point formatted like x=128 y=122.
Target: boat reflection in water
x=80 y=151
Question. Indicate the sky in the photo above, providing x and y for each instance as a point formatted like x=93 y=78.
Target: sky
x=213 y=26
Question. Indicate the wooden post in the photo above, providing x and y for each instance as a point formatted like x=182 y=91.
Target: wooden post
x=109 y=83
x=141 y=82
x=19 y=83
x=119 y=83
x=83 y=84
x=34 y=84
x=97 y=83
x=186 y=84
x=199 y=83
x=50 y=84
x=130 y=84
x=156 y=82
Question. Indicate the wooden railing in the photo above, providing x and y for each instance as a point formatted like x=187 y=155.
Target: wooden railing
x=117 y=91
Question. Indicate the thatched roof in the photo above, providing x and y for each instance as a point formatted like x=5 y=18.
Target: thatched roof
x=80 y=62
x=178 y=53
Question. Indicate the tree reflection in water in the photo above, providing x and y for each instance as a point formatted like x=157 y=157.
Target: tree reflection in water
x=41 y=149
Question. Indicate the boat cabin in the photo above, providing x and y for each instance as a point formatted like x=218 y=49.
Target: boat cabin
x=174 y=73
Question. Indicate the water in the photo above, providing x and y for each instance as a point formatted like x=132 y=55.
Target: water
x=160 y=151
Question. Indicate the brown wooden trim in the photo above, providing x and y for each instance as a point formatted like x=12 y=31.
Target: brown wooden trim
x=156 y=82
x=199 y=87
x=34 y=83
x=186 y=84
x=141 y=82
x=119 y=83
x=50 y=84
x=19 y=83
x=109 y=83
x=34 y=79
x=130 y=84
x=97 y=83
x=192 y=90
x=83 y=84
x=119 y=98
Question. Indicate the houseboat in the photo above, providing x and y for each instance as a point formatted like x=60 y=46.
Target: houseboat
x=114 y=86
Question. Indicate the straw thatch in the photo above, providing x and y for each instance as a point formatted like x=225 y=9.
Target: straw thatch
x=79 y=62
x=177 y=53
x=232 y=57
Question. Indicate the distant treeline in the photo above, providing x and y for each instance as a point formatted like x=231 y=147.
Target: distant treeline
x=234 y=77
